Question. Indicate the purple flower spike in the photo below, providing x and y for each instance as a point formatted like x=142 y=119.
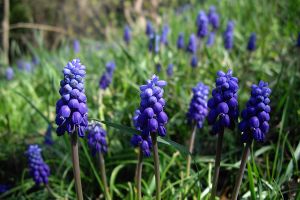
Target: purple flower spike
x=9 y=73
x=127 y=34
x=202 y=23
x=194 y=61
x=224 y=103
x=149 y=28
x=192 y=45
x=48 y=136
x=180 y=41
x=213 y=18
x=38 y=169
x=154 y=43
x=298 y=40
x=252 y=42
x=256 y=115
x=210 y=39
x=228 y=36
x=164 y=35
x=198 y=106
x=71 y=108
x=170 y=70
x=96 y=138
x=107 y=76
x=76 y=46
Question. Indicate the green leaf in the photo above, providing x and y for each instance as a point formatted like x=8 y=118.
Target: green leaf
x=122 y=128
x=182 y=149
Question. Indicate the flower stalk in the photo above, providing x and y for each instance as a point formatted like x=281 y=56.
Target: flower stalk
x=217 y=165
x=76 y=167
x=241 y=170
x=139 y=168
x=156 y=166
x=103 y=176
x=191 y=147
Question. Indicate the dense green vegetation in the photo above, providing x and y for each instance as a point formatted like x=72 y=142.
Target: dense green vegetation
x=28 y=108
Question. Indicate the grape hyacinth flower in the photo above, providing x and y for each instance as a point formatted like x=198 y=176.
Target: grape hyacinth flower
x=170 y=69
x=96 y=138
x=194 y=61
x=72 y=112
x=196 y=114
x=252 y=42
x=298 y=40
x=211 y=39
x=98 y=145
x=38 y=169
x=35 y=60
x=24 y=65
x=149 y=29
x=153 y=119
x=254 y=125
x=228 y=36
x=127 y=35
x=223 y=114
x=9 y=73
x=154 y=43
x=202 y=23
x=180 y=41
x=4 y=188
x=76 y=46
x=107 y=76
x=158 y=67
x=213 y=18
x=192 y=45
x=48 y=136
x=164 y=35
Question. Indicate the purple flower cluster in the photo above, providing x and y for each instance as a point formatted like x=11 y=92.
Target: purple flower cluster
x=202 y=24
x=211 y=39
x=224 y=103
x=48 y=136
x=198 y=106
x=96 y=138
x=298 y=40
x=228 y=36
x=9 y=73
x=180 y=41
x=127 y=34
x=194 y=61
x=256 y=114
x=170 y=69
x=38 y=169
x=71 y=108
x=149 y=29
x=107 y=76
x=252 y=42
x=24 y=65
x=164 y=35
x=192 y=45
x=154 y=43
x=213 y=18
x=76 y=46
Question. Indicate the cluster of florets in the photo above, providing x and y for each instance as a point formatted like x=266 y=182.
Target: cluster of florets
x=142 y=141
x=180 y=41
x=202 y=24
x=76 y=46
x=210 y=39
x=164 y=35
x=71 y=108
x=198 y=106
x=149 y=29
x=256 y=114
x=224 y=103
x=38 y=169
x=213 y=17
x=96 y=138
x=154 y=43
x=9 y=73
x=24 y=65
x=107 y=76
x=228 y=36
x=194 y=61
x=170 y=69
x=127 y=35
x=252 y=42
x=192 y=45
x=152 y=118
x=48 y=136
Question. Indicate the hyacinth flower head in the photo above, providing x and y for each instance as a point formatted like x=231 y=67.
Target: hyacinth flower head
x=202 y=24
x=298 y=40
x=48 y=136
x=170 y=69
x=107 y=76
x=224 y=103
x=180 y=41
x=96 y=138
x=38 y=169
x=158 y=67
x=256 y=115
x=213 y=18
x=252 y=42
x=194 y=61
x=76 y=46
x=4 y=188
x=154 y=43
x=24 y=65
x=228 y=36
x=71 y=108
x=9 y=73
x=211 y=39
x=192 y=45
x=164 y=35
x=198 y=109
x=149 y=28
x=127 y=35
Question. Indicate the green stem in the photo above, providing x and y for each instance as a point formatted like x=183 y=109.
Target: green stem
x=241 y=171
x=139 y=168
x=103 y=176
x=156 y=166
x=191 y=147
x=217 y=165
x=56 y=196
x=76 y=168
